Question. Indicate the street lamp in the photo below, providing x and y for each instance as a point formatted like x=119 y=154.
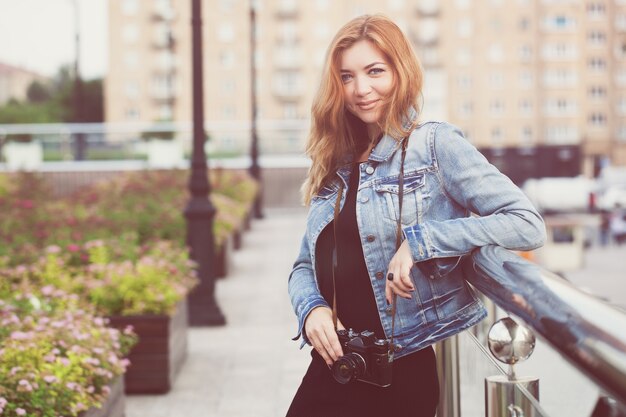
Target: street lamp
x=80 y=145
x=203 y=309
x=255 y=169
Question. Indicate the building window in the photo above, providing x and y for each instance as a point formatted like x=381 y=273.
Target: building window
x=464 y=81
x=131 y=89
x=559 y=23
x=228 y=112
x=496 y=136
x=597 y=92
x=496 y=53
x=561 y=135
x=226 y=32
x=130 y=33
x=596 y=38
x=464 y=56
x=620 y=78
x=560 y=51
x=621 y=133
x=396 y=4
x=131 y=113
x=466 y=109
x=526 y=136
x=525 y=53
x=465 y=27
x=525 y=107
x=130 y=7
x=226 y=6
x=227 y=59
x=496 y=80
x=524 y=23
x=596 y=64
x=321 y=30
x=560 y=78
x=166 y=112
x=620 y=49
x=621 y=106
x=227 y=87
x=322 y=4
x=131 y=60
x=597 y=119
x=596 y=10
x=496 y=108
x=290 y=111
x=526 y=80
x=560 y=107
x=463 y=4
x=288 y=33
x=620 y=22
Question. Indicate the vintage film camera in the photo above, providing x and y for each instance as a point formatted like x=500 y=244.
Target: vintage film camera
x=365 y=358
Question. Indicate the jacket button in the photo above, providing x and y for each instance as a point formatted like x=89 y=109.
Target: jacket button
x=431 y=276
x=379 y=275
x=364 y=199
x=388 y=310
x=371 y=238
x=369 y=170
x=397 y=347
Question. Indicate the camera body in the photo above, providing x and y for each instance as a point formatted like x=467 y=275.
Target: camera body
x=365 y=358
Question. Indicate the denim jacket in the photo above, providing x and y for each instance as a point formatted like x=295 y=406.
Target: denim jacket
x=454 y=202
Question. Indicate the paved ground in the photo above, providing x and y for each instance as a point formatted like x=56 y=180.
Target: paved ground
x=251 y=368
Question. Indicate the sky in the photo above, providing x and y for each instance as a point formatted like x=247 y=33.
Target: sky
x=39 y=35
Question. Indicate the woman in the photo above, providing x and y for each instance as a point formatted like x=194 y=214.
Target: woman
x=367 y=148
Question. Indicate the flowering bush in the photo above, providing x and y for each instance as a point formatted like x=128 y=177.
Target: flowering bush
x=56 y=359
x=160 y=276
x=147 y=205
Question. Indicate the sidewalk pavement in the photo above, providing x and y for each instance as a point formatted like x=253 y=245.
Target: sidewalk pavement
x=250 y=367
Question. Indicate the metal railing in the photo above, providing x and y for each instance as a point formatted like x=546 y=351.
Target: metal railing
x=587 y=332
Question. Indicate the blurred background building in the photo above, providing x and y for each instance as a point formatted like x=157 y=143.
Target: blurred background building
x=518 y=76
x=14 y=82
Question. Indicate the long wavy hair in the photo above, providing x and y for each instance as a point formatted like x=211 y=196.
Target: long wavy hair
x=335 y=132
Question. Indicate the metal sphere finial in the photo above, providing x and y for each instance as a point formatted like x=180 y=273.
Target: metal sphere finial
x=510 y=342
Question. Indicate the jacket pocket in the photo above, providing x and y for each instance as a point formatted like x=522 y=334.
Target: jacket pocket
x=412 y=204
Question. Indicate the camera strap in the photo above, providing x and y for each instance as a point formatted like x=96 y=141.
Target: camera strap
x=398 y=242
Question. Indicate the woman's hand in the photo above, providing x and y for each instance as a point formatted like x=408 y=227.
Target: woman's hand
x=321 y=333
x=398 y=278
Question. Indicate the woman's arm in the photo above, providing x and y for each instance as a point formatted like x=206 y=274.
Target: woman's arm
x=505 y=216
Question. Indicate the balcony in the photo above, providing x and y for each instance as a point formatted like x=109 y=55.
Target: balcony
x=428 y=8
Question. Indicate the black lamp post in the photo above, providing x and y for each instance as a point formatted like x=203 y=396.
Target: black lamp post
x=80 y=143
x=255 y=169
x=203 y=309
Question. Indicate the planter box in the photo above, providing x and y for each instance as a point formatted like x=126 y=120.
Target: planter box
x=160 y=353
x=23 y=155
x=114 y=404
x=165 y=153
x=223 y=258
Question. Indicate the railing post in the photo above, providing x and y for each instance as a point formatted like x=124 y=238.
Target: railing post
x=447 y=353
x=510 y=395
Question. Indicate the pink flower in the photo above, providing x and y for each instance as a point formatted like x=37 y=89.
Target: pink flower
x=50 y=379
x=20 y=411
x=20 y=335
x=71 y=385
x=53 y=249
x=73 y=247
x=106 y=390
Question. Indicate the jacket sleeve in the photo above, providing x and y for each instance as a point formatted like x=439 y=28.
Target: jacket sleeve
x=303 y=289
x=503 y=214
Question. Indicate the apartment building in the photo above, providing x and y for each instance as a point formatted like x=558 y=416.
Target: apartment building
x=14 y=82
x=510 y=73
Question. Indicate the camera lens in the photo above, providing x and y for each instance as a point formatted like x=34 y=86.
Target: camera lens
x=348 y=367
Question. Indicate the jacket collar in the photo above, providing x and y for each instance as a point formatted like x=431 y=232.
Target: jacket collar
x=387 y=144
x=385 y=148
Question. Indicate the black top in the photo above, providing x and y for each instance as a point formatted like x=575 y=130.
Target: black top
x=414 y=391
x=356 y=306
